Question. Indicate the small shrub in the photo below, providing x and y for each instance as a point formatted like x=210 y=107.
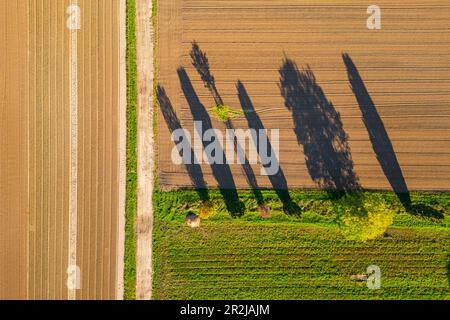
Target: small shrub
x=362 y=217
x=205 y=209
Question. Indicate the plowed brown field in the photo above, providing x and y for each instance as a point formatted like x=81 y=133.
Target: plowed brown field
x=405 y=68
x=35 y=145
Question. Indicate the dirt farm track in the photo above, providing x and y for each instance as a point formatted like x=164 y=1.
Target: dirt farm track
x=38 y=165
x=348 y=101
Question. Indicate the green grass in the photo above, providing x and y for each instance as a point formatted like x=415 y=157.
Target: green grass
x=302 y=257
x=244 y=260
x=131 y=188
x=316 y=207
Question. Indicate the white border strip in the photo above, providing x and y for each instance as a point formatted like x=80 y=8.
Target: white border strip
x=145 y=150
x=73 y=183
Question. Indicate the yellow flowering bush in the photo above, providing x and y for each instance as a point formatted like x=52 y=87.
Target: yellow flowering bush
x=362 y=217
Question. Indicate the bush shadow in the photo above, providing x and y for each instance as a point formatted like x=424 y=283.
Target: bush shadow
x=425 y=211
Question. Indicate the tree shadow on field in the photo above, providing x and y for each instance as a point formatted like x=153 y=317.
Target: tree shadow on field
x=222 y=172
x=173 y=123
x=382 y=145
x=278 y=180
x=319 y=130
x=201 y=64
x=448 y=269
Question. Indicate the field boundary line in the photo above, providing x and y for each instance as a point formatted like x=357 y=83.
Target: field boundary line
x=145 y=149
x=28 y=135
x=122 y=148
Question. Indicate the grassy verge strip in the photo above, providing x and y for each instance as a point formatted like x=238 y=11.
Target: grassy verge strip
x=131 y=189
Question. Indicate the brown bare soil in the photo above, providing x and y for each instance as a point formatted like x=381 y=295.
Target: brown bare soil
x=397 y=123
x=13 y=150
x=35 y=149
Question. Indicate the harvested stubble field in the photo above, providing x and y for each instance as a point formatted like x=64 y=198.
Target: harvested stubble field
x=13 y=149
x=386 y=102
x=36 y=50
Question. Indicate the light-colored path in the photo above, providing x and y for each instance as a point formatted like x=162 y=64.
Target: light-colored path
x=144 y=34
x=73 y=180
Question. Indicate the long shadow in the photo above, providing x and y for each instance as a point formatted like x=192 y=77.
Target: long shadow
x=319 y=130
x=222 y=172
x=173 y=123
x=278 y=181
x=382 y=145
x=201 y=64
x=448 y=269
